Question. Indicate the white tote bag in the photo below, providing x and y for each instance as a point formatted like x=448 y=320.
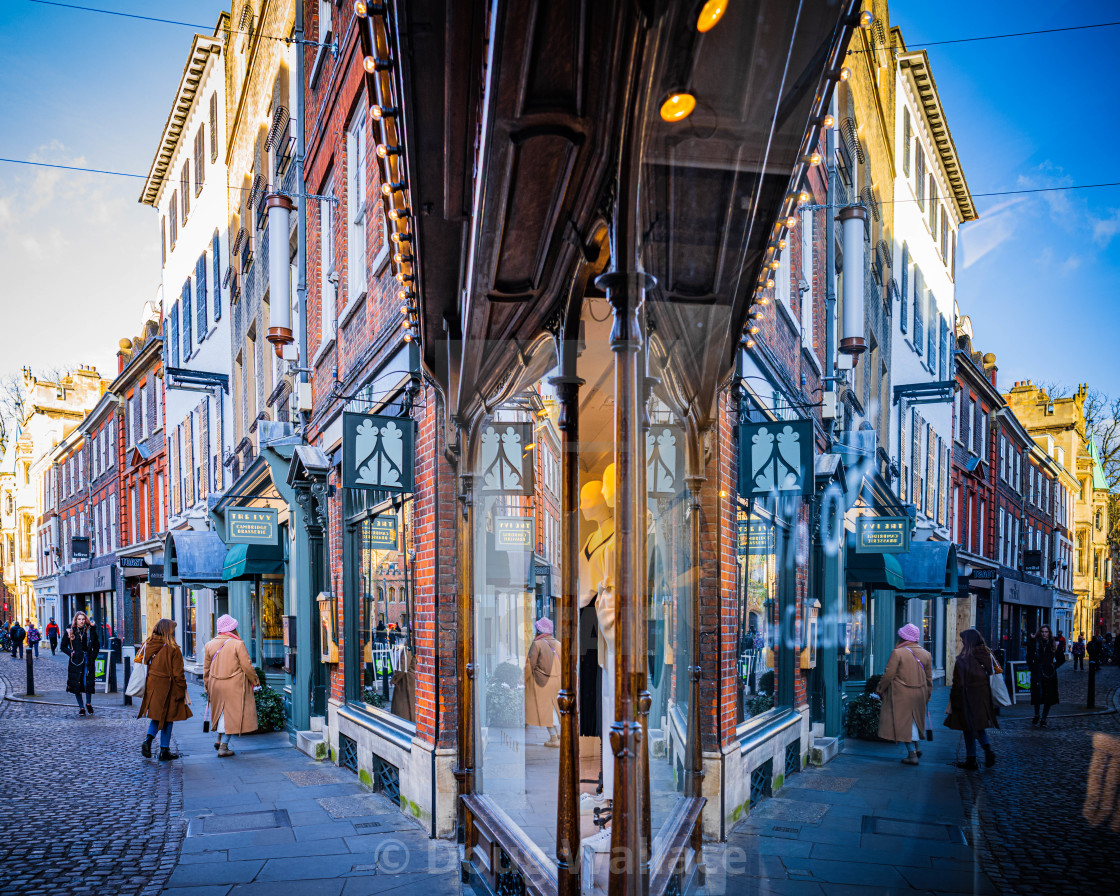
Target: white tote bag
x=1000 y=696
x=138 y=678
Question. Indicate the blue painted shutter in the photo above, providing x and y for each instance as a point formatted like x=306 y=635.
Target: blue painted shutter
x=217 y=291
x=188 y=343
x=904 y=310
x=919 y=300
x=931 y=329
x=943 y=360
x=173 y=334
x=200 y=294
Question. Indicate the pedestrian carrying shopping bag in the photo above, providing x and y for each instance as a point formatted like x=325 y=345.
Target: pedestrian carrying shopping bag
x=1000 y=695
x=138 y=678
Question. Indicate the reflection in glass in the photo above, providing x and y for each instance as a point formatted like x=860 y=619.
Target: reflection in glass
x=759 y=641
x=385 y=649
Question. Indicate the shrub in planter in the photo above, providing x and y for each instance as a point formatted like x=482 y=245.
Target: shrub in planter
x=766 y=683
x=505 y=697
x=871 y=684
x=759 y=704
x=270 y=709
x=374 y=697
x=861 y=718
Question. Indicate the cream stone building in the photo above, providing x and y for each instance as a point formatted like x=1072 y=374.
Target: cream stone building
x=1060 y=422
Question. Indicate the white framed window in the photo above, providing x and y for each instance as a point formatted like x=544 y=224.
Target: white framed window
x=807 y=273
x=328 y=276
x=356 y=163
x=157 y=394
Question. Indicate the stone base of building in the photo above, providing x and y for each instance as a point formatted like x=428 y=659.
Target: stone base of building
x=390 y=758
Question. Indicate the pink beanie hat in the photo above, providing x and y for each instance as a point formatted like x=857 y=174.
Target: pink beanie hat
x=908 y=632
x=544 y=625
x=226 y=623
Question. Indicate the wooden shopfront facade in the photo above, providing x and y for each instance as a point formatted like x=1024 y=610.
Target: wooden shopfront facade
x=587 y=214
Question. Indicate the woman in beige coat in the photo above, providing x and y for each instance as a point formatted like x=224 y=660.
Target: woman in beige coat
x=905 y=688
x=542 y=681
x=230 y=680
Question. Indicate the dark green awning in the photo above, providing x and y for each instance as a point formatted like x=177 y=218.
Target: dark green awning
x=882 y=570
x=244 y=561
x=930 y=569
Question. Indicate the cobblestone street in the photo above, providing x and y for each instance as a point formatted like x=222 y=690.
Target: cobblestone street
x=82 y=812
x=272 y=821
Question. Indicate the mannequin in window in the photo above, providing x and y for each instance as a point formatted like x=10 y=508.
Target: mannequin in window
x=597 y=587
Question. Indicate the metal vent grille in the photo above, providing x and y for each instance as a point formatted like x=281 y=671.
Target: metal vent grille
x=348 y=753
x=387 y=778
x=793 y=758
x=761 y=781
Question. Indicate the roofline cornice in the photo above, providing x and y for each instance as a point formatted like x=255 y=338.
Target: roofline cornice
x=202 y=48
x=917 y=63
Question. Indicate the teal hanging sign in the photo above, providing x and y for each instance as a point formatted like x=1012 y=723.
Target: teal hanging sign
x=255 y=525
x=513 y=533
x=775 y=458
x=378 y=452
x=382 y=534
x=883 y=535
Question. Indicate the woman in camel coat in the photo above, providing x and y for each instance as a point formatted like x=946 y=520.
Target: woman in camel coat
x=542 y=681
x=165 y=689
x=230 y=680
x=905 y=688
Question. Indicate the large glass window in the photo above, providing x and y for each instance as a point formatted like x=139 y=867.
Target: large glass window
x=759 y=621
x=190 y=621
x=380 y=616
x=271 y=609
x=857 y=635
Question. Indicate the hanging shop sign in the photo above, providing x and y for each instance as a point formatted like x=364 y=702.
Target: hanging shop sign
x=378 y=452
x=133 y=563
x=775 y=457
x=155 y=576
x=255 y=525
x=506 y=459
x=664 y=460
x=755 y=537
x=883 y=535
x=513 y=533
x=79 y=547
x=381 y=533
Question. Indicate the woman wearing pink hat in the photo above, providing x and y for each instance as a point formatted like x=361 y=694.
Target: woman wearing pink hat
x=542 y=681
x=230 y=679
x=905 y=687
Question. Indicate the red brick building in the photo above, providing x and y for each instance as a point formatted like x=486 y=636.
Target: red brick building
x=392 y=591
x=142 y=481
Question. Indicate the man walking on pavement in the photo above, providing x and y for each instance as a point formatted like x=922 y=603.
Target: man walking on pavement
x=17 y=634
x=1093 y=650
x=33 y=638
x=1078 y=651
x=52 y=635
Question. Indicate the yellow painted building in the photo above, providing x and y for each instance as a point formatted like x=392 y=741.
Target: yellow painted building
x=1062 y=421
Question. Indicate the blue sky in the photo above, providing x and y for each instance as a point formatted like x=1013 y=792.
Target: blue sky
x=80 y=254
x=1038 y=273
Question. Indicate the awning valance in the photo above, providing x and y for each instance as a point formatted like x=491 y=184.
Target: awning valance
x=929 y=569
x=194 y=558
x=880 y=570
x=244 y=561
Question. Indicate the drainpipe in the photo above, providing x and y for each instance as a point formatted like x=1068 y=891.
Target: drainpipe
x=830 y=262
x=301 y=208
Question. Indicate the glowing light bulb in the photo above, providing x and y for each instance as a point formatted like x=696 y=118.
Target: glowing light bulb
x=845 y=73
x=866 y=19
x=829 y=121
x=360 y=9
x=369 y=64
x=710 y=14
x=803 y=196
x=677 y=106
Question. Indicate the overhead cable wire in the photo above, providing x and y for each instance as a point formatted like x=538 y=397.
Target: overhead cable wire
x=82 y=170
x=162 y=21
x=968 y=40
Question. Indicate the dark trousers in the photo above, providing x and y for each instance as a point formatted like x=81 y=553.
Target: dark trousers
x=1079 y=663
x=54 y=645
x=970 y=739
x=17 y=651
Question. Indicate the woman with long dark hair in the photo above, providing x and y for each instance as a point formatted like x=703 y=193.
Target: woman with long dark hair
x=1044 y=657
x=165 y=693
x=81 y=645
x=970 y=699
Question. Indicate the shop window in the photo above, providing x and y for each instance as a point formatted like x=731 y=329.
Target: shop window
x=759 y=620
x=379 y=610
x=269 y=610
x=190 y=622
x=517 y=650
x=857 y=635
